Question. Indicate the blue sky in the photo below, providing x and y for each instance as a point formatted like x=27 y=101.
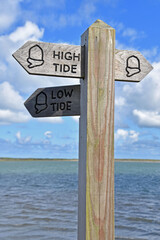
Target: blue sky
x=137 y=105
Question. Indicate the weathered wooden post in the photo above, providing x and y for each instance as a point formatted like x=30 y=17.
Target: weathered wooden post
x=96 y=154
x=103 y=64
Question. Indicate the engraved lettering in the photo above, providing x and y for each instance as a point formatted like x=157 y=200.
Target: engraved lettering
x=62 y=106
x=60 y=94
x=68 y=56
x=66 y=68
x=54 y=104
x=56 y=54
x=68 y=105
x=55 y=64
x=67 y=93
x=76 y=56
x=52 y=95
x=73 y=68
x=60 y=67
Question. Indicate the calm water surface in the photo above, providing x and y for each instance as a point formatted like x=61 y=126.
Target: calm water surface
x=39 y=200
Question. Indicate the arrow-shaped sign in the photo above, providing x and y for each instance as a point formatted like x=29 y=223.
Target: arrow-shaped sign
x=51 y=59
x=54 y=101
x=64 y=60
x=130 y=66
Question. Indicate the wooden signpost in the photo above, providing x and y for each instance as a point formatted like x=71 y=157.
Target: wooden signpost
x=51 y=59
x=98 y=65
x=54 y=101
x=130 y=66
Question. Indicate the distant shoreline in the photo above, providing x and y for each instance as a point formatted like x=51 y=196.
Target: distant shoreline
x=38 y=159
x=74 y=160
x=138 y=160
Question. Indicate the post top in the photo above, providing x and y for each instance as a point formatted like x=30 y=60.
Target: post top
x=101 y=24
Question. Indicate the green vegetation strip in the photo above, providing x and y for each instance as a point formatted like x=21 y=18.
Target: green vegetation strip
x=63 y=159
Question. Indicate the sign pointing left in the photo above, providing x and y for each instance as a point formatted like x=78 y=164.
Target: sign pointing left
x=51 y=59
x=54 y=101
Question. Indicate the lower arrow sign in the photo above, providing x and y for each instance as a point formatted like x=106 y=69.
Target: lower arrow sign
x=54 y=101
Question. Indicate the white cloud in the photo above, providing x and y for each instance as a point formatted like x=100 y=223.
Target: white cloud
x=48 y=134
x=10 y=98
x=22 y=140
x=18 y=135
x=132 y=34
x=133 y=135
x=122 y=46
x=11 y=105
x=76 y=118
x=141 y=100
x=12 y=72
x=30 y=31
x=145 y=95
x=15 y=81
x=51 y=119
x=10 y=43
x=147 y=118
x=125 y=31
x=121 y=133
x=87 y=9
x=9 y=11
x=120 y=101
x=119 y=26
x=150 y=53
x=83 y=14
x=8 y=116
x=125 y=135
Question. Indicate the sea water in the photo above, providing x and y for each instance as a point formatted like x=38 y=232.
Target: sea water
x=39 y=200
x=137 y=200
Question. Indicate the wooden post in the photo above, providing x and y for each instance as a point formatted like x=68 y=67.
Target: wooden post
x=96 y=137
x=103 y=65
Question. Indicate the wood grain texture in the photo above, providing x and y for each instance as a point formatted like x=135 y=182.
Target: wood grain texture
x=51 y=59
x=54 y=101
x=130 y=66
x=83 y=147
x=97 y=143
